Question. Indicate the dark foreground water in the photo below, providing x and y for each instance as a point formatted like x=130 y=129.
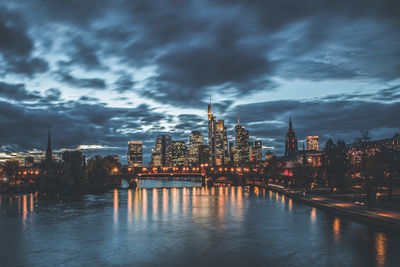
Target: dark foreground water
x=185 y=226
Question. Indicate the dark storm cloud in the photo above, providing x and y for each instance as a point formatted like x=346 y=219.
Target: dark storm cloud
x=91 y=83
x=82 y=52
x=190 y=122
x=16 y=92
x=316 y=71
x=124 y=83
x=52 y=94
x=234 y=46
x=16 y=46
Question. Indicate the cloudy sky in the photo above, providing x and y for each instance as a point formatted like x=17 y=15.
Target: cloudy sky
x=100 y=73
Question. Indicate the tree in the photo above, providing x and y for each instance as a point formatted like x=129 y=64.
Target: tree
x=388 y=160
x=303 y=174
x=73 y=172
x=366 y=165
x=335 y=164
x=273 y=168
x=99 y=172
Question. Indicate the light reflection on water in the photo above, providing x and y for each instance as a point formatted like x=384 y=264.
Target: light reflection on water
x=336 y=229
x=380 y=248
x=236 y=221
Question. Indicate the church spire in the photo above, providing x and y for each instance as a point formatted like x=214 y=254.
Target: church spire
x=290 y=123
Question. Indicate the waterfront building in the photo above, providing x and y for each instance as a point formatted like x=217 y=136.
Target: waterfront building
x=179 y=153
x=162 y=151
x=135 y=154
x=312 y=143
x=196 y=139
x=291 y=148
x=355 y=150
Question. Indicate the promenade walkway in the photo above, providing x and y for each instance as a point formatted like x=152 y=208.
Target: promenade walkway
x=355 y=210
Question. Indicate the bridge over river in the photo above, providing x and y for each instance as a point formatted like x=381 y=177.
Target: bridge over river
x=207 y=175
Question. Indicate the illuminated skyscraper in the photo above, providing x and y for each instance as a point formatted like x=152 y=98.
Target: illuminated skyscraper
x=204 y=154
x=313 y=143
x=221 y=143
x=211 y=136
x=162 y=151
x=241 y=150
x=179 y=153
x=135 y=154
x=195 y=140
x=291 y=142
x=256 y=154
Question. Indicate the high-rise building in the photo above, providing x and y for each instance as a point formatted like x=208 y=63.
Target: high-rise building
x=161 y=154
x=231 y=154
x=179 y=153
x=257 y=151
x=221 y=143
x=212 y=136
x=196 y=139
x=291 y=148
x=135 y=154
x=241 y=150
x=313 y=143
x=204 y=154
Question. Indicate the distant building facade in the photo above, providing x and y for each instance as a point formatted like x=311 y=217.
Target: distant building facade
x=195 y=141
x=179 y=154
x=256 y=151
x=312 y=143
x=135 y=154
x=162 y=151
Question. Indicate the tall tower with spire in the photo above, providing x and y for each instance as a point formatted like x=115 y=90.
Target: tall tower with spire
x=212 y=125
x=49 y=151
x=291 y=148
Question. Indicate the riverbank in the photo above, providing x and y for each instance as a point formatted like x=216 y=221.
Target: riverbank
x=377 y=217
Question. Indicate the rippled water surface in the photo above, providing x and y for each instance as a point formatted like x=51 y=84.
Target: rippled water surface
x=185 y=226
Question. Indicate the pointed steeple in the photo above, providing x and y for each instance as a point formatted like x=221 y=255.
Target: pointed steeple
x=290 y=123
x=238 y=120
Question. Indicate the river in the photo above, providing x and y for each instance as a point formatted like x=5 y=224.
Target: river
x=195 y=226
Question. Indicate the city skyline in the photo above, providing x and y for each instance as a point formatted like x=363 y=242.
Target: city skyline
x=111 y=72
